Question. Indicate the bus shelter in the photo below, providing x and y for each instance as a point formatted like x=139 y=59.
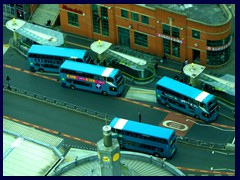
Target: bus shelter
x=23 y=30
x=200 y=78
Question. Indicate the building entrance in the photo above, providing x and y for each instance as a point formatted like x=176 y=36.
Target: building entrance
x=196 y=56
x=123 y=37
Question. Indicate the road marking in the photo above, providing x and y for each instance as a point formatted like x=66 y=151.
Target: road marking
x=177 y=122
x=125 y=99
x=175 y=125
x=50 y=130
x=214 y=125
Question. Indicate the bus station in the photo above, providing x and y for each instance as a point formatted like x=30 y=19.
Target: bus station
x=26 y=34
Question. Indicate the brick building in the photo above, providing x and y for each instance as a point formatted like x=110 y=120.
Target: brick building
x=21 y=11
x=199 y=33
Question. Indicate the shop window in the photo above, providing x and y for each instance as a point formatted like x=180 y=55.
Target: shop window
x=218 y=57
x=176 y=49
x=141 y=39
x=166 y=46
x=195 y=34
x=135 y=16
x=124 y=13
x=145 y=19
x=73 y=19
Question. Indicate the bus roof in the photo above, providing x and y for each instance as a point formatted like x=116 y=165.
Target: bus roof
x=184 y=89
x=89 y=68
x=56 y=51
x=142 y=128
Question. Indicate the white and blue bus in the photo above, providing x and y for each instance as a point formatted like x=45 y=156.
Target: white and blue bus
x=192 y=101
x=49 y=58
x=146 y=138
x=99 y=79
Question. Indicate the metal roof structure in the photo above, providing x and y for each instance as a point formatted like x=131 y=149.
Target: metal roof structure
x=31 y=152
x=27 y=151
x=202 y=13
x=224 y=83
x=85 y=163
x=36 y=33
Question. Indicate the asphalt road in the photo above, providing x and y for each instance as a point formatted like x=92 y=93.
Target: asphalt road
x=90 y=129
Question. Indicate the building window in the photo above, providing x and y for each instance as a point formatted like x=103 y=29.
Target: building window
x=175 y=49
x=166 y=29
x=124 y=13
x=195 y=34
x=221 y=56
x=96 y=19
x=104 y=18
x=218 y=42
x=218 y=57
x=141 y=39
x=135 y=16
x=175 y=32
x=166 y=46
x=9 y=8
x=145 y=19
x=73 y=19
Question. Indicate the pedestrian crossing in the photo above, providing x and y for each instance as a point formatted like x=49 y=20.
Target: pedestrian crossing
x=141 y=94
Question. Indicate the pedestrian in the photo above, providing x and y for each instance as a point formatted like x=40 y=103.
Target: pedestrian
x=185 y=62
x=139 y=117
x=48 y=23
x=176 y=78
x=104 y=63
x=156 y=65
x=8 y=81
x=182 y=67
x=164 y=58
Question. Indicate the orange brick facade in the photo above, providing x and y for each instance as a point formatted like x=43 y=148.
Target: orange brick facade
x=157 y=17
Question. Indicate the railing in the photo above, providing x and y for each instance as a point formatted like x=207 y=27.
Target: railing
x=60 y=103
x=229 y=149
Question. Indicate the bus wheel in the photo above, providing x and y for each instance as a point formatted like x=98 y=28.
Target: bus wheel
x=197 y=117
x=104 y=93
x=156 y=154
x=72 y=87
x=41 y=70
x=167 y=105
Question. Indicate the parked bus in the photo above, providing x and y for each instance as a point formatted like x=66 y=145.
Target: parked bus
x=49 y=58
x=146 y=138
x=99 y=79
x=192 y=101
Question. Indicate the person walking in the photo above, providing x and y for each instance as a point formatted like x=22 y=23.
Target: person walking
x=8 y=81
x=139 y=117
x=164 y=58
x=156 y=65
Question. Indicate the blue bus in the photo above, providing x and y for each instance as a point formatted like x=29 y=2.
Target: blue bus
x=146 y=138
x=49 y=58
x=192 y=101
x=99 y=79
